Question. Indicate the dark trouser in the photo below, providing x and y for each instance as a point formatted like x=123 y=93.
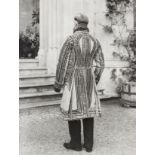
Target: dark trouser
x=75 y=132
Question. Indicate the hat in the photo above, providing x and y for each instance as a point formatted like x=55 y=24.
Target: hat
x=81 y=18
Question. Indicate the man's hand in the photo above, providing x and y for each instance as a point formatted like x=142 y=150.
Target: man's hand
x=96 y=80
x=57 y=90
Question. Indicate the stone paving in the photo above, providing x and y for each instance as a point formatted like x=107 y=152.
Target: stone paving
x=43 y=133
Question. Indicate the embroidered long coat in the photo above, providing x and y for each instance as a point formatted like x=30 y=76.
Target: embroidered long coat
x=81 y=61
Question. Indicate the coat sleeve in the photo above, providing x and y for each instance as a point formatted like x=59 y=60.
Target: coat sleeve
x=63 y=63
x=99 y=60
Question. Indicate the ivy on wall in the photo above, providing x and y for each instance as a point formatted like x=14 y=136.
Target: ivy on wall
x=29 y=39
x=116 y=14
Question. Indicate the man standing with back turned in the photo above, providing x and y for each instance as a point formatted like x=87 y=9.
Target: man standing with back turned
x=80 y=65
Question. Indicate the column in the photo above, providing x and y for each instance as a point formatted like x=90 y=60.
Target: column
x=48 y=50
x=42 y=54
x=52 y=36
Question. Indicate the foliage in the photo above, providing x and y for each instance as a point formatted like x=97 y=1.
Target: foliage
x=116 y=13
x=35 y=17
x=114 y=7
x=130 y=72
x=107 y=29
x=29 y=39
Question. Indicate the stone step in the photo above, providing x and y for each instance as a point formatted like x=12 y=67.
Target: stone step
x=24 y=63
x=36 y=87
x=39 y=97
x=33 y=71
x=36 y=78
x=38 y=104
x=26 y=105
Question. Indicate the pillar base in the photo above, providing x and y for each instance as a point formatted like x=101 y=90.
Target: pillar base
x=42 y=57
x=52 y=59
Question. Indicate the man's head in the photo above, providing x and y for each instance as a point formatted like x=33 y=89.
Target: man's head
x=80 y=22
x=81 y=18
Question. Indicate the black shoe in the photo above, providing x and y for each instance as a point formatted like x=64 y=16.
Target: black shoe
x=72 y=147
x=87 y=149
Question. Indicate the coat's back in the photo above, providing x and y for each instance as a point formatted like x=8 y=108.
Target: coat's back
x=75 y=72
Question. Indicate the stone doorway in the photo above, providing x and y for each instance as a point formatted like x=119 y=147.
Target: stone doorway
x=28 y=28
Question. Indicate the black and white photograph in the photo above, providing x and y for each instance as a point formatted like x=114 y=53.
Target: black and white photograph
x=77 y=77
